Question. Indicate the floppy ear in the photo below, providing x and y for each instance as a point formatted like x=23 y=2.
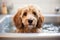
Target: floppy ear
x=40 y=21
x=17 y=19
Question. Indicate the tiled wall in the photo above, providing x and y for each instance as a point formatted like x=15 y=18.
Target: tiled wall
x=46 y=6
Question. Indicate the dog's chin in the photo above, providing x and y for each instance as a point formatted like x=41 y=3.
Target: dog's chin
x=31 y=26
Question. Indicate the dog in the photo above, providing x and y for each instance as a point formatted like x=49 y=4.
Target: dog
x=28 y=20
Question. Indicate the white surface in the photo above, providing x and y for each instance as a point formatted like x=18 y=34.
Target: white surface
x=52 y=15
x=29 y=35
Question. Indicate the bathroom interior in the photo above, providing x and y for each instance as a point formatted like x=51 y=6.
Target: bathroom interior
x=50 y=28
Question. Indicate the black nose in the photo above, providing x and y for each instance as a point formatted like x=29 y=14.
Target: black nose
x=30 y=21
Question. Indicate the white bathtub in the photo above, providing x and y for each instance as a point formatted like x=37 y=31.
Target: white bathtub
x=33 y=36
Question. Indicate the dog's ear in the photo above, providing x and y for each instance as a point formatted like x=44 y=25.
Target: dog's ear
x=40 y=21
x=17 y=19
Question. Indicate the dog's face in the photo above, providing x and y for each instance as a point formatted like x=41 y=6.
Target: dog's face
x=28 y=17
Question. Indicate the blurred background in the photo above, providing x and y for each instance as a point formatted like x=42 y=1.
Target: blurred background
x=46 y=6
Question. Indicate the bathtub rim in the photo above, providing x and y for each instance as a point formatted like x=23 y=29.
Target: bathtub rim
x=29 y=35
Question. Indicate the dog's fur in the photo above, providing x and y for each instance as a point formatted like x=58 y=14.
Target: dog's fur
x=28 y=13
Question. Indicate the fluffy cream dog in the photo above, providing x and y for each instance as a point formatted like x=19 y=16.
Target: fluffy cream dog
x=28 y=20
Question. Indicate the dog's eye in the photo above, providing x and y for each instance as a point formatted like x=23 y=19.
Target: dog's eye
x=34 y=13
x=25 y=13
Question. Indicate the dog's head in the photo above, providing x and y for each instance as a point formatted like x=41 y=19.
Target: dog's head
x=28 y=17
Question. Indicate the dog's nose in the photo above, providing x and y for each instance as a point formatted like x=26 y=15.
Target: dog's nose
x=30 y=21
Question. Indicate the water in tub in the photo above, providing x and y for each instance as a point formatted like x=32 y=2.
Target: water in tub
x=6 y=26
